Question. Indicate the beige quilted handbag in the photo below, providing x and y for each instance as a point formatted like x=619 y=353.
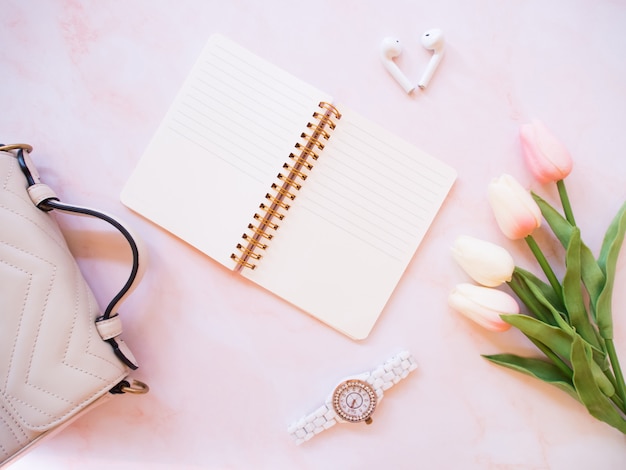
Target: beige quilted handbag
x=59 y=355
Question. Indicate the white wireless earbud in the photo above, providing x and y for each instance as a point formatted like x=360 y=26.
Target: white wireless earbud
x=389 y=49
x=433 y=40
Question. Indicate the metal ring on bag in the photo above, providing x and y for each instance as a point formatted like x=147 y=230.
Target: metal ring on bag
x=137 y=388
x=7 y=148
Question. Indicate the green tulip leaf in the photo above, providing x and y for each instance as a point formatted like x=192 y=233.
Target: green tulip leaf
x=558 y=316
x=598 y=352
x=592 y=275
x=557 y=339
x=518 y=285
x=546 y=289
x=590 y=391
x=608 y=261
x=559 y=224
x=572 y=292
x=613 y=238
x=538 y=368
x=553 y=337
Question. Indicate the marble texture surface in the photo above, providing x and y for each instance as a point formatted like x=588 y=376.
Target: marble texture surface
x=231 y=366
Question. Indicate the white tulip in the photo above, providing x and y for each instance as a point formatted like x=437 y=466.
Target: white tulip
x=483 y=305
x=515 y=210
x=486 y=263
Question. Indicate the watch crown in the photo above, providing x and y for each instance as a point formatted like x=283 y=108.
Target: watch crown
x=368 y=421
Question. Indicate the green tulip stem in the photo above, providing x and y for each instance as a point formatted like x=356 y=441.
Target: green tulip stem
x=617 y=370
x=545 y=266
x=618 y=403
x=567 y=207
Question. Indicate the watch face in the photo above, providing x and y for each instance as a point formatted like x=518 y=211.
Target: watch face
x=354 y=400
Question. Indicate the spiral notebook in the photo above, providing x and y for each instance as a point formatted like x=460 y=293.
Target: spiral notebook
x=268 y=176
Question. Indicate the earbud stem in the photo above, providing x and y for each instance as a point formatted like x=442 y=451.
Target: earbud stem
x=396 y=73
x=407 y=85
x=430 y=70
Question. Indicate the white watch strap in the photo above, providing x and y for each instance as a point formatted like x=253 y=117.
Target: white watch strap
x=308 y=426
x=381 y=378
x=391 y=372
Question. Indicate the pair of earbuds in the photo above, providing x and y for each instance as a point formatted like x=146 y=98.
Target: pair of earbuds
x=392 y=48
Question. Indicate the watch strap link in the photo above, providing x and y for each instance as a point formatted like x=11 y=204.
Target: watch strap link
x=391 y=372
x=308 y=426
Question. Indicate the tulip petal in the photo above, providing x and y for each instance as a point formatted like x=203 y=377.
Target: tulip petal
x=485 y=262
x=546 y=157
x=516 y=212
x=483 y=305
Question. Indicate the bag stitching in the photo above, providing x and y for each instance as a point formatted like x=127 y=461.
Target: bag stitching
x=63 y=246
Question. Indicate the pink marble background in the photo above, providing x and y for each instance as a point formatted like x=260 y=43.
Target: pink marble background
x=229 y=365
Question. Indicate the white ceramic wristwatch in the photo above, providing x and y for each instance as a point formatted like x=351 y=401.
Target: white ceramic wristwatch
x=354 y=399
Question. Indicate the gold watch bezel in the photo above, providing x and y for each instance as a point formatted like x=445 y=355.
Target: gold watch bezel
x=365 y=416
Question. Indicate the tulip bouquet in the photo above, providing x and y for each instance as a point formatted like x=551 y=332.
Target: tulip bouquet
x=569 y=320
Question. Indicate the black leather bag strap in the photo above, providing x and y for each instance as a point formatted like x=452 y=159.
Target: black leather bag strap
x=46 y=200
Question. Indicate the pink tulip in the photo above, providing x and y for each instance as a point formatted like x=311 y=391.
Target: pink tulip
x=516 y=212
x=546 y=157
x=483 y=305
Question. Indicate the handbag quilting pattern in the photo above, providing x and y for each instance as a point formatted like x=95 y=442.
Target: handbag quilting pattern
x=53 y=361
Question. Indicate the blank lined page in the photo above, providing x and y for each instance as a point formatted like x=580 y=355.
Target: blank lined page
x=355 y=225
x=219 y=147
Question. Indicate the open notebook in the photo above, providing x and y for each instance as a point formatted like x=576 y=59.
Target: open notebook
x=271 y=178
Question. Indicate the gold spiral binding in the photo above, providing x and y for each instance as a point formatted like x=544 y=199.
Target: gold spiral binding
x=312 y=139
x=323 y=133
x=255 y=231
x=289 y=181
x=330 y=108
x=272 y=212
x=295 y=171
x=280 y=190
x=285 y=188
x=254 y=241
x=278 y=201
x=325 y=119
x=300 y=161
x=247 y=252
x=265 y=222
x=307 y=151
x=242 y=262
